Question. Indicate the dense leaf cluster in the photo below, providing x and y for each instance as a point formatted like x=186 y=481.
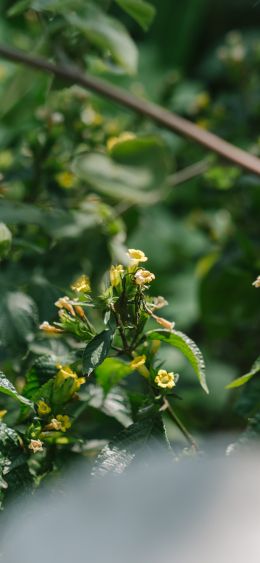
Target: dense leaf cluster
x=80 y=176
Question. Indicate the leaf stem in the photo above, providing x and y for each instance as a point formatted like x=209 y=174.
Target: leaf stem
x=180 y=425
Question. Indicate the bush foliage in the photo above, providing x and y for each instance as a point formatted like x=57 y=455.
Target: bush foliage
x=81 y=180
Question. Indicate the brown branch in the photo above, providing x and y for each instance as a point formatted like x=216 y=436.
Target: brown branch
x=163 y=117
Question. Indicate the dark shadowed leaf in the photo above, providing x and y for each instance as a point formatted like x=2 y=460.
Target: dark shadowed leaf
x=96 y=351
x=115 y=403
x=139 y=438
x=18 y=319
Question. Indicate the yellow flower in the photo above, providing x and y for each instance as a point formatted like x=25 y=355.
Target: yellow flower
x=158 y=302
x=115 y=274
x=136 y=256
x=43 y=408
x=6 y=159
x=202 y=100
x=138 y=361
x=81 y=285
x=143 y=276
x=64 y=303
x=54 y=424
x=2 y=413
x=163 y=322
x=113 y=141
x=155 y=345
x=138 y=364
x=79 y=381
x=165 y=379
x=36 y=446
x=256 y=283
x=50 y=329
x=64 y=373
x=65 y=180
x=65 y=422
x=80 y=311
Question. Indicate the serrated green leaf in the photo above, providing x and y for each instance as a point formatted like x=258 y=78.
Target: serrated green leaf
x=190 y=350
x=96 y=351
x=107 y=34
x=111 y=371
x=114 y=404
x=245 y=378
x=142 y=436
x=140 y=10
x=8 y=388
x=14 y=471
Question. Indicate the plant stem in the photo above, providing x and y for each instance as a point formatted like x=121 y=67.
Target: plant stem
x=120 y=327
x=188 y=173
x=165 y=118
x=180 y=425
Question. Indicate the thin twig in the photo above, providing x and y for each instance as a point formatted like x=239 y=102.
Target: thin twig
x=163 y=117
x=180 y=425
x=182 y=176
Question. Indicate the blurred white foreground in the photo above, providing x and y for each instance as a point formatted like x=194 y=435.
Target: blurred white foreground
x=203 y=510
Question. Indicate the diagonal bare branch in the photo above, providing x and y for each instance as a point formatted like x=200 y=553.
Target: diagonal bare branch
x=165 y=118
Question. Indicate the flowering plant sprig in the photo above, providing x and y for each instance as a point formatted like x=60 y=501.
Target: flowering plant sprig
x=113 y=340
x=126 y=307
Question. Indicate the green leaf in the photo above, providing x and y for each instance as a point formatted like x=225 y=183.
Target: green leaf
x=43 y=369
x=19 y=7
x=133 y=171
x=57 y=222
x=45 y=392
x=114 y=404
x=106 y=34
x=96 y=351
x=140 y=10
x=5 y=240
x=18 y=320
x=56 y=6
x=187 y=347
x=8 y=388
x=141 y=437
x=111 y=371
x=245 y=378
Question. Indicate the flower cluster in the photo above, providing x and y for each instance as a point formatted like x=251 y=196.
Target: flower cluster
x=51 y=420
x=126 y=308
